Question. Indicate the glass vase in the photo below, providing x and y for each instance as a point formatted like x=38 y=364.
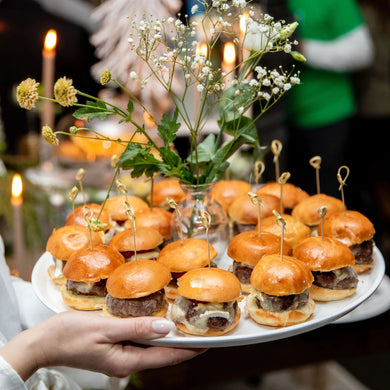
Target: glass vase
x=197 y=200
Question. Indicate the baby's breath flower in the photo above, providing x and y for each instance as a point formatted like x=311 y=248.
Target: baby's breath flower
x=105 y=77
x=26 y=93
x=73 y=129
x=49 y=136
x=97 y=226
x=65 y=92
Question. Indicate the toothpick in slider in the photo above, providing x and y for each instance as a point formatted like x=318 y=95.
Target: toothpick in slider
x=131 y=216
x=259 y=170
x=257 y=202
x=283 y=180
x=87 y=217
x=282 y=223
x=342 y=182
x=322 y=212
x=73 y=195
x=276 y=147
x=315 y=162
x=79 y=177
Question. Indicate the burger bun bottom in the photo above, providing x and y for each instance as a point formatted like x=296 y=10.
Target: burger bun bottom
x=160 y=313
x=211 y=332
x=58 y=280
x=323 y=294
x=360 y=268
x=278 y=318
x=81 y=302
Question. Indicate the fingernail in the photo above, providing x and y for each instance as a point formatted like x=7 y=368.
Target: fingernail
x=162 y=326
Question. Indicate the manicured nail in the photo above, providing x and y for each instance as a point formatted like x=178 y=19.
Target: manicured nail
x=162 y=326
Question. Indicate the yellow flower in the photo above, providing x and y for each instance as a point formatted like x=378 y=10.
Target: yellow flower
x=27 y=94
x=49 y=136
x=97 y=226
x=105 y=77
x=65 y=92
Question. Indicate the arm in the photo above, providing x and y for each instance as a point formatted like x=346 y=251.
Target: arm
x=90 y=341
x=350 y=52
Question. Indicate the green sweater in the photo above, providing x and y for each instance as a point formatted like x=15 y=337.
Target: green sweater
x=323 y=97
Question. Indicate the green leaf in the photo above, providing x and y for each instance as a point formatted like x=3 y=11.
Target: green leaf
x=93 y=110
x=206 y=150
x=244 y=127
x=168 y=128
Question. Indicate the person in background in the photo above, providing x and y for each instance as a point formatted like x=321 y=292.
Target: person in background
x=33 y=337
x=369 y=182
x=336 y=42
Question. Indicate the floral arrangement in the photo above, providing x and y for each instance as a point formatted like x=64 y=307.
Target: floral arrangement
x=196 y=72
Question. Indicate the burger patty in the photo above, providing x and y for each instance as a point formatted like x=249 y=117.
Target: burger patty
x=338 y=279
x=242 y=271
x=282 y=303
x=363 y=252
x=97 y=288
x=136 y=307
x=204 y=315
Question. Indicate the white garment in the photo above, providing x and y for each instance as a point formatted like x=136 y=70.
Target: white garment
x=24 y=310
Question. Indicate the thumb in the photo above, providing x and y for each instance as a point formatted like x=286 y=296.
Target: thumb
x=139 y=328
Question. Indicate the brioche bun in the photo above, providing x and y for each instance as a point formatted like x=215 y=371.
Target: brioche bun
x=116 y=210
x=225 y=191
x=146 y=238
x=89 y=266
x=295 y=232
x=77 y=216
x=156 y=218
x=63 y=242
x=292 y=195
x=184 y=255
x=324 y=254
x=350 y=227
x=166 y=188
x=243 y=211
x=274 y=276
x=209 y=285
x=307 y=210
x=249 y=248
x=137 y=279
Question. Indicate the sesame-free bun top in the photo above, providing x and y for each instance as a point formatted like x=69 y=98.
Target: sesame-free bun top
x=166 y=188
x=68 y=239
x=274 y=276
x=295 y=230
x=93 y=209
x=136 y=279
x=349 y=227
x=115 y=206
x=324 y=254
x=225 y=191
x=249 y=248
x=243 y=211
x=156 y=218
x=307 y=210
x=292 y=195
x=146 y=238
x=209 y=285
x=91 y=265
x=184 y=255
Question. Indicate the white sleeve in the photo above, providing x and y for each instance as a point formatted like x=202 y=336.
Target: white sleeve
x=9 y=379
x=350 y=52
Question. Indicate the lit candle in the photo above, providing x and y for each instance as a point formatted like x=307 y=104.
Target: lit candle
x=48 y=73
x=17 y=203
x=243 y=19
x=229 y=62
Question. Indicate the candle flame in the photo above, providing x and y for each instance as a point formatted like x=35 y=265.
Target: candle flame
x=243 y=19
x=201 y=49
x=51 y=40
x=17 y=185
x=229 y=53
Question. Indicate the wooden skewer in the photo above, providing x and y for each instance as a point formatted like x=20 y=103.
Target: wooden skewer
x=315 y=162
